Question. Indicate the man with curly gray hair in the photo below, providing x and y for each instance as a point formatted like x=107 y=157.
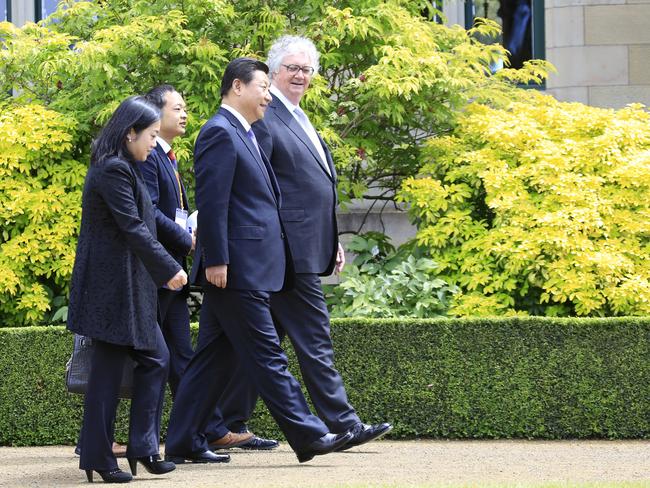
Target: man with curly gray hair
x=287 y=45
x=303 y=166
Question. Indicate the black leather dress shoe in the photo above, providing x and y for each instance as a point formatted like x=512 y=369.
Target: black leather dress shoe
x=362 y=433
x=259 y=444
x=201 y=457
x=324 y=445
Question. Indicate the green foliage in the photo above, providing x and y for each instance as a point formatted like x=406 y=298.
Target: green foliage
x=482 y=378
x=40 y=185
x=383 y=282
x=389 y=79
x=539 y=207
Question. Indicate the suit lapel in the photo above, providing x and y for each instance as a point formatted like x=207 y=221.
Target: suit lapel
x=251 y=148
x=271 y=174
x=167 y=165
x=328 y=156
x=292 y=124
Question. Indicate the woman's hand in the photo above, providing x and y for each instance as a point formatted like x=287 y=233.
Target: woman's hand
x=178 y=281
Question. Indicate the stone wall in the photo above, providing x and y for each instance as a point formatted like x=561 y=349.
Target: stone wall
x=392 y=221
x=355 y=218
x=601 y=49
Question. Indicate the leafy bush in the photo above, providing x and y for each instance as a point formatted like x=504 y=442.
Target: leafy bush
x=383 y=282
x=480 y=378
x=40 y=183
x=539 y=207
x=389 y=79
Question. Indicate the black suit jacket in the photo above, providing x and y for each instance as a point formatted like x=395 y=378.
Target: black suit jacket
x=119 y=263
x=238 y=200
x=308 y=192
x=162 y=184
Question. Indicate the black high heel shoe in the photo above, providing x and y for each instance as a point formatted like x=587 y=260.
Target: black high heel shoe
x=113 y=476
x=153 y=464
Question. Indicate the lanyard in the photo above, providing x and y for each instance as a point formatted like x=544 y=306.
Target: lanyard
x=180 y=188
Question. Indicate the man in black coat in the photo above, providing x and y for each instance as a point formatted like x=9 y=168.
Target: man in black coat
x=242 y=260
x=305 y=172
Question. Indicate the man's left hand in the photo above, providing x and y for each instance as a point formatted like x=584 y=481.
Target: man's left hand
x=193 y=240
x=340 y=259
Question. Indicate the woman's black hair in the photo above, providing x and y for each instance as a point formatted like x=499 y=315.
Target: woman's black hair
x=133 y=113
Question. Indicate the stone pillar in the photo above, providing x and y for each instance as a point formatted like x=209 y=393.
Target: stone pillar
x=22 y=11
x=601 y=50
x=455 y=12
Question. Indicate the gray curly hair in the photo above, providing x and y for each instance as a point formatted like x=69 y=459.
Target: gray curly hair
x=287 y=45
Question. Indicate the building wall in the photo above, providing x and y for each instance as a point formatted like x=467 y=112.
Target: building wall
x=601 y=49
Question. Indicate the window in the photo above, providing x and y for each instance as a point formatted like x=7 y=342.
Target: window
x=43 y=8
x=522 y=22
x=430 y=11
x=5 y=10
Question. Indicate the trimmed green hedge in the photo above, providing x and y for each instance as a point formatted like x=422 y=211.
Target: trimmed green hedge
x=487 y=378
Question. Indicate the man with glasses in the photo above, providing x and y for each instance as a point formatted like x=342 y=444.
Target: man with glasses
x=303 y=166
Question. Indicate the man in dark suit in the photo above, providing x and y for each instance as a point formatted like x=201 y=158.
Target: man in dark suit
x=160 y=172
x=305 y=172
x=242 y=259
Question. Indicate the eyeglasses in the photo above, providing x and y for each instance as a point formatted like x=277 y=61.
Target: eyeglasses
x=294 y=68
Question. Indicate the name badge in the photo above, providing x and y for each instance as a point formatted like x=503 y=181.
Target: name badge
x=181 y=218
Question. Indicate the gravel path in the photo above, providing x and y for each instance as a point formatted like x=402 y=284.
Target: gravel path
x=380 y=464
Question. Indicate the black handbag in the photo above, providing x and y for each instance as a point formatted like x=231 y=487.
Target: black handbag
x=77 y=369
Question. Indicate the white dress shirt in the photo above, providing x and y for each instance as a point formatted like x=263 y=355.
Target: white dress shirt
x=303 y=120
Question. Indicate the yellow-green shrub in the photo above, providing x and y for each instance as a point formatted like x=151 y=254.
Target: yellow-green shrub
x=389 y=79
x=40 y=184
x=540 y=207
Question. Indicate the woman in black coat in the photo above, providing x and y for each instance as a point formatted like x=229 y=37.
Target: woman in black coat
x=118 y=268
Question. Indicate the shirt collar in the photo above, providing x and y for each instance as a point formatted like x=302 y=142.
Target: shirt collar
x=290 y=106
x=239 y=116
x=163 y=143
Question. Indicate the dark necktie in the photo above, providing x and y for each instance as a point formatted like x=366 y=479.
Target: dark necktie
x=251 y=136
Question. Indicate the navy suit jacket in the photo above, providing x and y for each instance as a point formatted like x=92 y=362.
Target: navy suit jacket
x=308 y=191
x=162 y=184
x=238 y=200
